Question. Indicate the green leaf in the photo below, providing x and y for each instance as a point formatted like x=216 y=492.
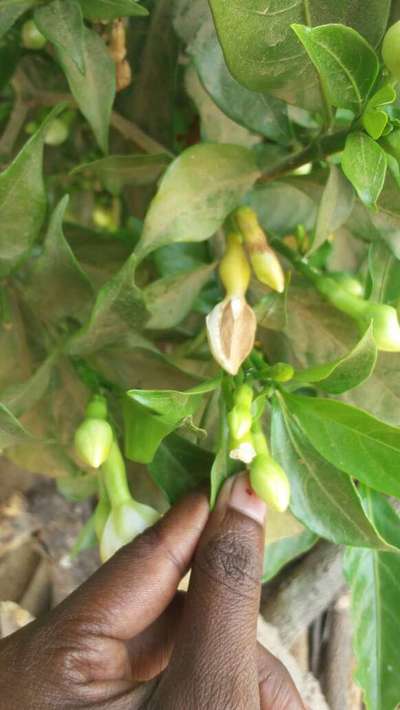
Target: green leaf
x=94 y=91
x=258 y=112
x=11 y=431
x=180 y=467
x=373 y=580
x=281 y=207
x=11 y=11
x=335 y=207
x=215 y=125
x=346 y=372
x=170 y=299
x=107 y=10
x=116 y=171
x=356 y=442
x=199 y=189
x=380 y=395
x=347 y=64
x=62 y=24
x=150 y=415
x=22 y=200
x=77 y=488
x=56 y=271
x=364 y=163
x=21 y=397
x=264 y=55
x=374 y=118
x=175 y=258
x=119 y=309
x=10 y=52
x=384 y=272
x=322 y=497
x=279 y=553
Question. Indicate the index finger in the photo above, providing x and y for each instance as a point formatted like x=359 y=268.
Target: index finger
x=135 y=586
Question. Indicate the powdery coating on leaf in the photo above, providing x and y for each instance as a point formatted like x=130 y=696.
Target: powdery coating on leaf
x=201 y=187
x=231 y=329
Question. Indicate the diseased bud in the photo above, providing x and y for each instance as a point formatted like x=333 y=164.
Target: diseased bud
x=234 y=269
x=125 y=522
x=93 y=441
x=231 y=330
x=263 y=259
x=239 y=421
x=242 y=449
x=270 y=483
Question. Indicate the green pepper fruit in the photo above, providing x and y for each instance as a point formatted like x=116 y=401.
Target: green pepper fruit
x=97 y=408
x=93 y=440
x=124 y=523
x=269 y=482
x=391 y=49
x=31 y=36
x=384 y=318
x=56 y=133
x=348 y=282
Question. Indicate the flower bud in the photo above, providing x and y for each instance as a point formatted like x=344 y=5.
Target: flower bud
x=270 y=483
x=97 y=408
x=93 y=441
x=391 y=49
x=242 y=449
x=385 y=325
x=231 y=330
x=281 y=372
x=31 y=36
x=124 y=523
x=263 y=259
x=244 y=396
x=234 y=269
x=239 y=421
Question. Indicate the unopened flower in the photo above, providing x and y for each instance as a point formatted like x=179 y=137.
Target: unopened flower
x=263 y=259
x=231 y=330
x=93 y=441
x=125 y=522
x=269 y=482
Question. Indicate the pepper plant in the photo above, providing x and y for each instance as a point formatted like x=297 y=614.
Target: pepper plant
x=199 y=261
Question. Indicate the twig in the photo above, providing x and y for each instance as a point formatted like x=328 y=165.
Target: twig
x=15 y=122
x=318 y=150
x=305 y=592
x=129 y=130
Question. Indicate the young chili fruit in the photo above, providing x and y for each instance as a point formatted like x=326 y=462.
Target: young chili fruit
x=31 y=36
x=391 y=49
x=270 y=482
x=93 y=440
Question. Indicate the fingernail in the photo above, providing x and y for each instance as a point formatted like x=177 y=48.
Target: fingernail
x=243 y=499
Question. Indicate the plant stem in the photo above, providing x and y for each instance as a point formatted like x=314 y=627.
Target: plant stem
x=299 y=263
x=317 y=150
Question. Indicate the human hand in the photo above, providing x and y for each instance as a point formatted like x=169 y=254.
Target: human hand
x=127 y=624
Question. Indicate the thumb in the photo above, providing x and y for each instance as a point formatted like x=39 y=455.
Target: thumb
x=218 y=630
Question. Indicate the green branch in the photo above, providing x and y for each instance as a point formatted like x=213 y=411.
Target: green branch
x=316 y=151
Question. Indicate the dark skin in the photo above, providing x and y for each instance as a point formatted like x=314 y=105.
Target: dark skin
x=128 y=624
